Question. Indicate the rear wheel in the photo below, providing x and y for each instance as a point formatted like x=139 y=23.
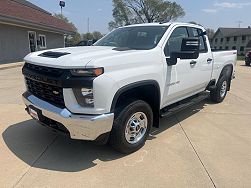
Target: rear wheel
x=218 y=95
x=131 y=127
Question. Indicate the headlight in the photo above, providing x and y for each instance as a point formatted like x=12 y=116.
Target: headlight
x=84 y=97
x=87 y=72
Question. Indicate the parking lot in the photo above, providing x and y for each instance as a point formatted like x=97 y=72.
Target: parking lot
x=207 y=145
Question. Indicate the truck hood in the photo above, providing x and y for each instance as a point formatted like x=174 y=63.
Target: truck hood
x=73 y=57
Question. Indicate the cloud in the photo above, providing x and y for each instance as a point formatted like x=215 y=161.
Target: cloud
x=231 y=5
x=100 y=10
x=224 y=5
x=208 y=10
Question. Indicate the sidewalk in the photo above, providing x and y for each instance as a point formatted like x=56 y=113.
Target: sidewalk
x=11 y=65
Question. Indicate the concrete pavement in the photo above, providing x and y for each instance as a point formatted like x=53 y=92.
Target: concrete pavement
x=207 y=145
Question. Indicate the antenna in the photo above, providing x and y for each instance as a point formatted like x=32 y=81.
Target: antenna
x=239 y=23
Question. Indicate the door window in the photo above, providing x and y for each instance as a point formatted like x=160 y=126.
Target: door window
x=175 y=41
x=199 y=33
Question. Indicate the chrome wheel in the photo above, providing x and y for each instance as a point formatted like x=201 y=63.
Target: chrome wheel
x=136 y=128
x=223 y=89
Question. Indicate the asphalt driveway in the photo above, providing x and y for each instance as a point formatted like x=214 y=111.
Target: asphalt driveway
x=207 y=145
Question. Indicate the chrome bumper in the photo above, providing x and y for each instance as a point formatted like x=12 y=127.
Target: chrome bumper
x=82 y=127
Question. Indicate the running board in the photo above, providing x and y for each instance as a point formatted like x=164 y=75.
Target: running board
x=179 y=106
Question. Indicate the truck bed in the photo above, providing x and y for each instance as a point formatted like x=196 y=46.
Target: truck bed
x=221 y=58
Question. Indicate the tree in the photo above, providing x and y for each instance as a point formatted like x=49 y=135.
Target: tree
x=210 y=33
x=126 y=12
x=96 y=35
x=73 y=39
x=87 y=36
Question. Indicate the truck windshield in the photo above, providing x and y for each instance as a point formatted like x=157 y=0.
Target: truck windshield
x=137 y=38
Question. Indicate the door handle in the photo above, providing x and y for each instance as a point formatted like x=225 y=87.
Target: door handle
x=193 y=62
x=209 y=60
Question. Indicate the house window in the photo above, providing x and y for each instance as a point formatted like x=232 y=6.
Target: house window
x=234 y=48
x=221 y=40
x=227 y=48
x=228 y=39
x=243 y=38
x=216 y=40
x=32 y=41
x=235 y=38
x=242 y=48
x=220 y=47
x=42 y=41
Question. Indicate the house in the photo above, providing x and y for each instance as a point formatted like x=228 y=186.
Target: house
x=248 y=47
x=232 y=39
x=25 y=28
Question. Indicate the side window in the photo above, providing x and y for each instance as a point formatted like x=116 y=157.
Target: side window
x=199 y=33
x=174 y=42
x=42 y=41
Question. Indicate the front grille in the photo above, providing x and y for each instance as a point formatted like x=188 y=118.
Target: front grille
x=49 y=93
x=49 y=71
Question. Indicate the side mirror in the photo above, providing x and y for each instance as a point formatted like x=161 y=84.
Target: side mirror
x=189 y=50
x=191 y=44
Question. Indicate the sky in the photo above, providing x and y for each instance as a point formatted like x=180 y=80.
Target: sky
x=209 y=13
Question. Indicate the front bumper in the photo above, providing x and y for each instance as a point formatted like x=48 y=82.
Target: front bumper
x=82 y=127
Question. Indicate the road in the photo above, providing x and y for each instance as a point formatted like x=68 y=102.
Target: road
x=207 y=145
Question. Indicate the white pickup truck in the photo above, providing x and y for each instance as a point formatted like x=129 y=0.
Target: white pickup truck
x=116 y=90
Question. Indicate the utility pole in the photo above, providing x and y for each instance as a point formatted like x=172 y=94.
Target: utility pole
x=88 y=25
x=61 y=4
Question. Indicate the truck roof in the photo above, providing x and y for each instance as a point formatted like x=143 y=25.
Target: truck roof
x=166 y=24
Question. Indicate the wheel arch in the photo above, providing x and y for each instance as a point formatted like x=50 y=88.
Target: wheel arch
x=228 y=71
x=138 y=90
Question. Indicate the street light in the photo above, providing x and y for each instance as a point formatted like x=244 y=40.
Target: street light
x=61 y=4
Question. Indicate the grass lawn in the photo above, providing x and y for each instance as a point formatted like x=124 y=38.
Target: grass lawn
x=241 y=58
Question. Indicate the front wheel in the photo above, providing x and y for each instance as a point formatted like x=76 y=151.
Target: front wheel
x=218 y=95
x=131 y=127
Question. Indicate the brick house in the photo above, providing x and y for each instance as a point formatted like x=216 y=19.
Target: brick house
x=25 y=28
x=232 y=39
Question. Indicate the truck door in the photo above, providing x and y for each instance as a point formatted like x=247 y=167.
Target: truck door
x=204 y=64
x=189 y=76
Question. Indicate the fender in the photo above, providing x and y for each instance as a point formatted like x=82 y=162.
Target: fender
x=228 y=71
x=132 y=86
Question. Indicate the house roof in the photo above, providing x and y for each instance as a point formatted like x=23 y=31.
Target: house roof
x=230 y=32
x=26 y=13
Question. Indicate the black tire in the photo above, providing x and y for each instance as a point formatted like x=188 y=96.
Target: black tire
x=118 y=136
x=216 y=95
x=247 y=63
